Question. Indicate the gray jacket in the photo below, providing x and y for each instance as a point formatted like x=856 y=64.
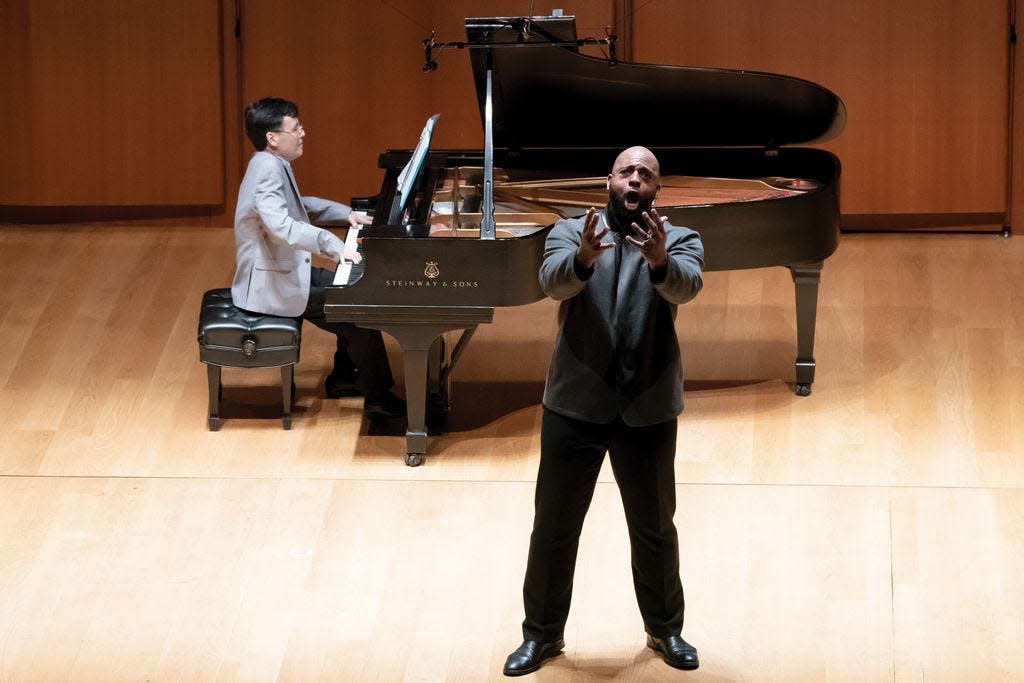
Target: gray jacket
x=616 y=351
x=274 y=238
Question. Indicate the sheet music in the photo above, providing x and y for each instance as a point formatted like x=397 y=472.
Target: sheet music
x=407 y=178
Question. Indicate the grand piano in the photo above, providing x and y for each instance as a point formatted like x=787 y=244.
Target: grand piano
x=470 y=234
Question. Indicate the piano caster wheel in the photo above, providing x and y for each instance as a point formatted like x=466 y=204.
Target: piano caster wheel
x=803 y=389
x=414 y=459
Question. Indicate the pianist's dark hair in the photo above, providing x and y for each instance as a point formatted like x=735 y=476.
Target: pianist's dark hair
x=266 y=115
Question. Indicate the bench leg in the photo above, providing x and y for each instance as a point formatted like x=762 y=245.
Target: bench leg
x=213 y=380
x=287 y=388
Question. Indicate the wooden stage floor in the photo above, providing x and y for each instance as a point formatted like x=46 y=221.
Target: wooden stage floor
x=873 y=531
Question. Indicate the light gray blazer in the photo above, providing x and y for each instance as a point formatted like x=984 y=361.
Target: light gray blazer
x=274 y=238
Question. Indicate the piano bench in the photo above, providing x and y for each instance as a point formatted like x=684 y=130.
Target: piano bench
x=231 y=337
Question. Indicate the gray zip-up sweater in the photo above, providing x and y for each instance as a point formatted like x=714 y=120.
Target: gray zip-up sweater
x=616 y=351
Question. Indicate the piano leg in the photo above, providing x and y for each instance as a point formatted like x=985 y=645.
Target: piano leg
x=415 y=329
x=414 y=357
x=417 y=341
x=420 y=349
x=806 y=277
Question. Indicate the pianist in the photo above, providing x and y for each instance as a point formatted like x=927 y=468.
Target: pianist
x=274 y=240
x=614 y=386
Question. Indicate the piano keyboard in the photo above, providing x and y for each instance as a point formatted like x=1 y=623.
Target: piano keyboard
x=349 y=272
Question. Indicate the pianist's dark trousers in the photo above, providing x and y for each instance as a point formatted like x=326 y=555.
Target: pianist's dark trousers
x=356 y=345
x=570 y=459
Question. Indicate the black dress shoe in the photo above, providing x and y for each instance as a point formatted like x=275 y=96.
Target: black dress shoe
x=528 y=657
x=340 y=385
x=437 y=411
x=675 y=651
x=384 y=406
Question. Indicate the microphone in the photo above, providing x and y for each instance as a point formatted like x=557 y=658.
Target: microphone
x=428 y=46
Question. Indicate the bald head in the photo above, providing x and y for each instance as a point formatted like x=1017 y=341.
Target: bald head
x=637 y=156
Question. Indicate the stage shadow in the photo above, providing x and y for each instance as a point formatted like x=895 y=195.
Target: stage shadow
x=474 y=405
x=256 y=403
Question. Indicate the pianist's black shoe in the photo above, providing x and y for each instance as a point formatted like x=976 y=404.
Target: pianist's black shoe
x=528 y=657
x=675 y=651
x=437 y=411
x=339 y=384
x=384 y=406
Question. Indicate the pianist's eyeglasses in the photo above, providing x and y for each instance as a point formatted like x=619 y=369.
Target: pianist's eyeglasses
x=297 y=131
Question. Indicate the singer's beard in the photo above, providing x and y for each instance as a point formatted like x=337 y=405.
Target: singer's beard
x=623 y=217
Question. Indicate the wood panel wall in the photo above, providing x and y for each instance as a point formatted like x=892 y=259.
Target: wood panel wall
x=121 y=106
x=112 y=103
x=355 y=70
x=925 y=85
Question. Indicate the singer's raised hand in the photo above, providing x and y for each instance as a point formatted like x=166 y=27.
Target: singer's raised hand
x=591 y=241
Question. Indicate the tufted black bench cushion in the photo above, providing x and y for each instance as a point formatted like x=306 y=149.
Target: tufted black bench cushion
x=231 y=337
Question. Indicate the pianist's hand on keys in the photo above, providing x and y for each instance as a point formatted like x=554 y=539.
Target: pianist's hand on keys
x=351 y=255
x=339 y=252
x=358 y=219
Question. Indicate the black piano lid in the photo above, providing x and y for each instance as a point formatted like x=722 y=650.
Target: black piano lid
x=554 y=97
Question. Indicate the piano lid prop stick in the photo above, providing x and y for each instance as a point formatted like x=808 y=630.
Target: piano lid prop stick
x=487 y=219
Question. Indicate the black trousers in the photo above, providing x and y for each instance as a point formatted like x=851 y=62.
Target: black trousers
x=571 y=455
x=356 y=346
